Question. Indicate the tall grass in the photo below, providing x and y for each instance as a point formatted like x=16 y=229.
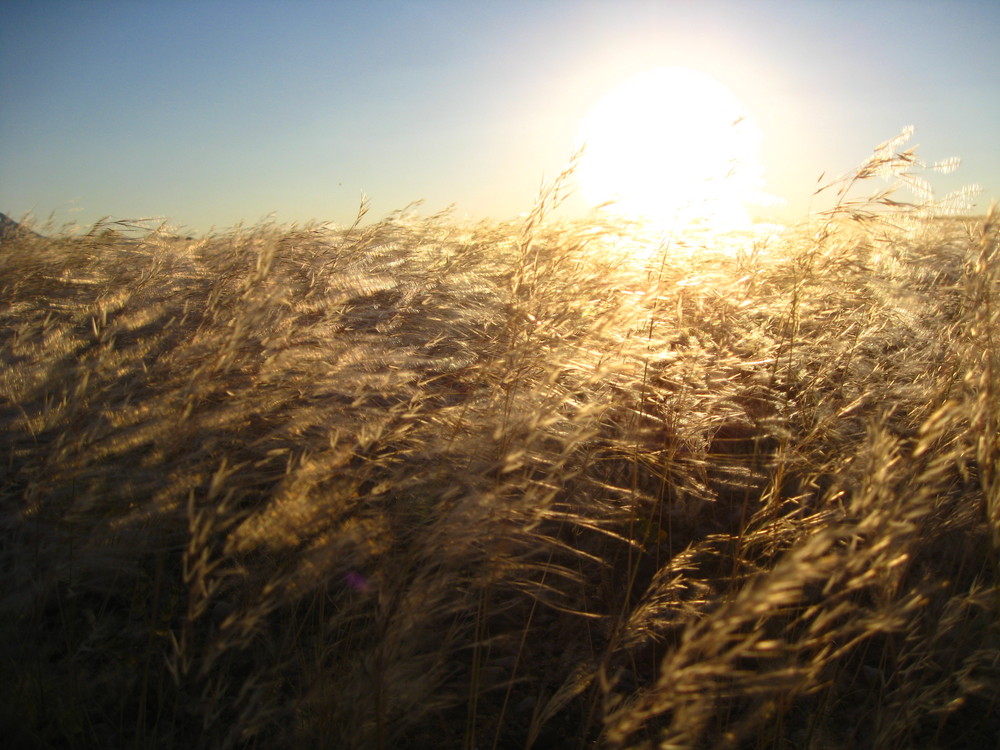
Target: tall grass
x=423 y=484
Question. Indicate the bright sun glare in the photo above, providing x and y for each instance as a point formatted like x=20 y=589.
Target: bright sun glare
x=672 y=147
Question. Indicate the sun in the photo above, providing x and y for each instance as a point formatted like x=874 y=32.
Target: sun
x=672 y=147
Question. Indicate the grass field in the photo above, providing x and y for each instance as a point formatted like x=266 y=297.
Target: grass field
x=420 y=484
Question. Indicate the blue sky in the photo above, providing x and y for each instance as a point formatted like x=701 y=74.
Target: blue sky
x=209 y=113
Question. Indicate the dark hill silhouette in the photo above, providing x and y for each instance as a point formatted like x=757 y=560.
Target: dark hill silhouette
x=9 y=229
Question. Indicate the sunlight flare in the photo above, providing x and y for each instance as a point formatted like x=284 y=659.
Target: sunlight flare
x=672 y=147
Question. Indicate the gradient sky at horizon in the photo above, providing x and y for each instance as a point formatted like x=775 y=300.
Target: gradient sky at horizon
x=210 y=113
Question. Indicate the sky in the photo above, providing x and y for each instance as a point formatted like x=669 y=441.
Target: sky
x=209 y=113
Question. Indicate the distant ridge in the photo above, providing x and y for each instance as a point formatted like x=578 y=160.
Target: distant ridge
x=9 y=229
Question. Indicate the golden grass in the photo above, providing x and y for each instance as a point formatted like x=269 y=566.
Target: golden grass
x=420 y=484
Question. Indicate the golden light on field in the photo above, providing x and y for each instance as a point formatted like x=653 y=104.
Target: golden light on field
x=672 y=147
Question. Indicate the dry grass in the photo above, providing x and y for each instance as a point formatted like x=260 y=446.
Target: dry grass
x=420 y=484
